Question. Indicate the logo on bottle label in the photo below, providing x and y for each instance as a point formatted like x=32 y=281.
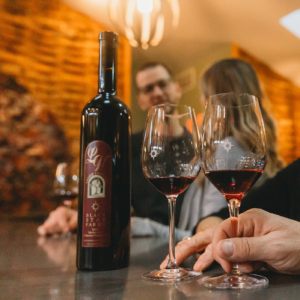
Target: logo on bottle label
x=97 y=195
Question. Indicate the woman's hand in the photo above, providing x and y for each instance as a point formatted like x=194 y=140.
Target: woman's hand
x=62 y=219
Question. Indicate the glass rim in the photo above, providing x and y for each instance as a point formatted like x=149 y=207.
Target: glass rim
x=170 y=104
x=254 y=98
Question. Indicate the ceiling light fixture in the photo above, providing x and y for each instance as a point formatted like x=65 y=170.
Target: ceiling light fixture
x=292 y=22
x=143 y=21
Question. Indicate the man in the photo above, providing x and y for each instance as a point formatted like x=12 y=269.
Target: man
x=156 y=85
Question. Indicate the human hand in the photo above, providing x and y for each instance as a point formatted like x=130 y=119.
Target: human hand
x=62 y=219
x=187 y=247
x=265 y=237
x=200 y=241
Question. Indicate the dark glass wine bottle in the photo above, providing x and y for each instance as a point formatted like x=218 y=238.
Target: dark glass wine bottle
x=103 y=239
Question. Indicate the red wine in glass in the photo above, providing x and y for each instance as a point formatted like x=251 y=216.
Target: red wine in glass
x=65 y=185
x=233 y=184
x=171 y=186
x=233 y=153
x=67 y=199
x=171 y=162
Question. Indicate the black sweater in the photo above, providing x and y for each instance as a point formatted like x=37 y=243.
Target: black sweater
x=279 y=195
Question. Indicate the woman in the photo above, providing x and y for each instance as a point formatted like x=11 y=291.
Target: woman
x=229 y=75
x=236 y=75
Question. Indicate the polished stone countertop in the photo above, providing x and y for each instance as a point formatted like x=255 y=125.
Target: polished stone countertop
x=44 y=268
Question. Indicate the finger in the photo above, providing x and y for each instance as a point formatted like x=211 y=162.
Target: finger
x=57 y=222
x=249 y=224
x=205 y=260
x=50 y=226
x=249 y=249
x=69 y=223
x=221 y=232
x=245 y=267
x=63 y=224
x=243 y=249
x=73 y=221
x=183 y=250
x=250 y=266
x=186 y=248
x=41 y=230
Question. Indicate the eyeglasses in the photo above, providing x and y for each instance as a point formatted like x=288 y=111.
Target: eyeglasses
x=162 y=84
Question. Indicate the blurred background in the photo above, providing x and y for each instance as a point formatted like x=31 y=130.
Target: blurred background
x=49 y=70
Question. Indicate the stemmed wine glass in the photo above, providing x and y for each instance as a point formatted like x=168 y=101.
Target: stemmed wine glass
x=171 y=162
x=233 y=155
x=65 y=186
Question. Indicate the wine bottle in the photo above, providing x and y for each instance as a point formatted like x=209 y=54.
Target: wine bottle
x=103 y=238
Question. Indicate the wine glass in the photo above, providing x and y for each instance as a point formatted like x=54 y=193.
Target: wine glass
x=171 y=162
x=233 y=155
x=65 y=186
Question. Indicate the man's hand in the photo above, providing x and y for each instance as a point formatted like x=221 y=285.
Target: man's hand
x=60 y=220
x=265 y=238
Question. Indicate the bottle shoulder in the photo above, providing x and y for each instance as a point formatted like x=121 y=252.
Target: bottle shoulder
x=110 y=102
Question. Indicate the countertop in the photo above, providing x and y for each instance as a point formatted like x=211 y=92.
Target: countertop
x=44 y=268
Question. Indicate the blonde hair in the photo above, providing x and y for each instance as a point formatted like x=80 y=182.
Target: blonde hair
x=236 y=75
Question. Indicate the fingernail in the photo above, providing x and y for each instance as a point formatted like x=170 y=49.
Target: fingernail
x=227 y=248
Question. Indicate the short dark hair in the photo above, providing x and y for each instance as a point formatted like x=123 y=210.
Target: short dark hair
x=154 y=64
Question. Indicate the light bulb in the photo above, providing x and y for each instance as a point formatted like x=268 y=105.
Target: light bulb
x=145 y=6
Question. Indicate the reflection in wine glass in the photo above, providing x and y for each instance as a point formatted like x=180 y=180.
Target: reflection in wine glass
x=65 y=185
x=233 y=154
x=171 y=162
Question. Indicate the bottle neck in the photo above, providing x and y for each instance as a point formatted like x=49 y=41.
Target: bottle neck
x=108 y=66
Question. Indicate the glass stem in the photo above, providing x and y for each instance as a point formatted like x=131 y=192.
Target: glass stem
x=172 y=264
x=234 y=207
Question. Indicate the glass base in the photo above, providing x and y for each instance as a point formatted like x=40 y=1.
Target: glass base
x=235 y=282
x=172 y=275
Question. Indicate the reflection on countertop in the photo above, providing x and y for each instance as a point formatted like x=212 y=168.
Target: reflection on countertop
x=45 y=268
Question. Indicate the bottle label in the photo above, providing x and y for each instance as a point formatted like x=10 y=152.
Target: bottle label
x=97 y=195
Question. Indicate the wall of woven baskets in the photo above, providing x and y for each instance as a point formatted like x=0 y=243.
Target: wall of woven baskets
x=284 y=104
x=52 y=50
